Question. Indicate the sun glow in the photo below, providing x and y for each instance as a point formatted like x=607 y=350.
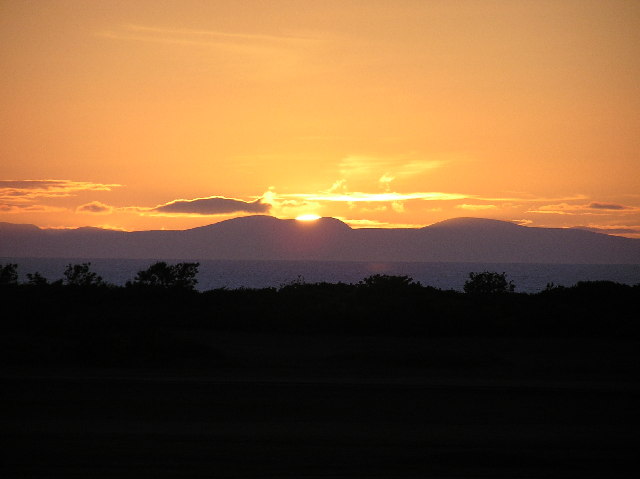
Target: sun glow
x=308 y=217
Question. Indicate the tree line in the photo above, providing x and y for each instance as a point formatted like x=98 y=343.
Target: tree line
x=158 y=315
x=165 y=294
x=184 y=276
x=158 y=275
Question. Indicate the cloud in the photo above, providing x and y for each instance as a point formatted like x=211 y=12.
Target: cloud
x=584 y=209
x=29 y=208
x=291 y=204
x=397 y=206
x=385 y=181
x=352 y=197
x=251 y=46
x=561 y=209
x=214 y=205
x=339 y=185
x=260 y=55
x=386 y=169
x=611 y=230
x=368 y=173
x=476 y=207
x=522 y=222
x=362 y=223
x=607 y=206
x=212 y=34
x=529 y=198
x=21 y=191
x=94 y=207
x=111 y=227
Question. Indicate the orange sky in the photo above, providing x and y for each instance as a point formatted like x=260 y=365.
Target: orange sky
x=157 y=114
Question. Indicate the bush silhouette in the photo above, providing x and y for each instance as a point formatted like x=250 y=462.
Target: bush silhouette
x=386 y=282
x=163 y=275
x=80 y=275
x=8 y=274
x=488 y=283
x=36 y=279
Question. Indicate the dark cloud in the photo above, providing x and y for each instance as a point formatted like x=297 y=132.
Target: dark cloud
x=94 y=207
x=607 y=206
x=214 y=205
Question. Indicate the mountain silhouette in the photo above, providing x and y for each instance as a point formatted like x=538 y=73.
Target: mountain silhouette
x=267 y=238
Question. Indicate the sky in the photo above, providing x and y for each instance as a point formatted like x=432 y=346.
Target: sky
x=154 y=114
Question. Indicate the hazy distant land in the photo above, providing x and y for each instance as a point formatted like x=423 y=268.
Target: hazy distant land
x=327 y=239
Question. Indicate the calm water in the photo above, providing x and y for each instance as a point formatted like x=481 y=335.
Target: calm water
x=258 y=274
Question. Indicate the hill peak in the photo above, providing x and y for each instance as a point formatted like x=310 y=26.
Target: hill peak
x=266 y=221
x=474 y=223
x=326 y=221
x=17 y=227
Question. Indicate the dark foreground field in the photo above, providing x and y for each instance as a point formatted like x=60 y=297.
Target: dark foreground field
x=141 y=427
x=502 y=409
x=319 y=381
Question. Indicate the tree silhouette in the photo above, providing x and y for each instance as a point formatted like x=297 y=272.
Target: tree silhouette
x=8 y=274
x=80 y=275
x=36 y=279
x=163 y=275
x=488 y=283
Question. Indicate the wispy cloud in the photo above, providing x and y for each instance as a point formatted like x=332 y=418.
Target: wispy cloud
x=608 y=206
x=213 y=205
x=475 y=207
x=214 y=34
x=362 y=166
x=237 y=42
x=585 y=209
x=530 y=198
x=338 y=197
x=612 y=230
x=522 y=222
x=385 y=181
x=369 y=173
x=267 y=56
x=365 y=223
x=558 y=209
x=28 y=190
x=356 y=197
x=26 y=196
x=29 y=208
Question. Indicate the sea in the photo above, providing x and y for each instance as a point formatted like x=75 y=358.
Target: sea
x=234 y=274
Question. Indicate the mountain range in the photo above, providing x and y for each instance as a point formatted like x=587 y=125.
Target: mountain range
x=262 y=237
